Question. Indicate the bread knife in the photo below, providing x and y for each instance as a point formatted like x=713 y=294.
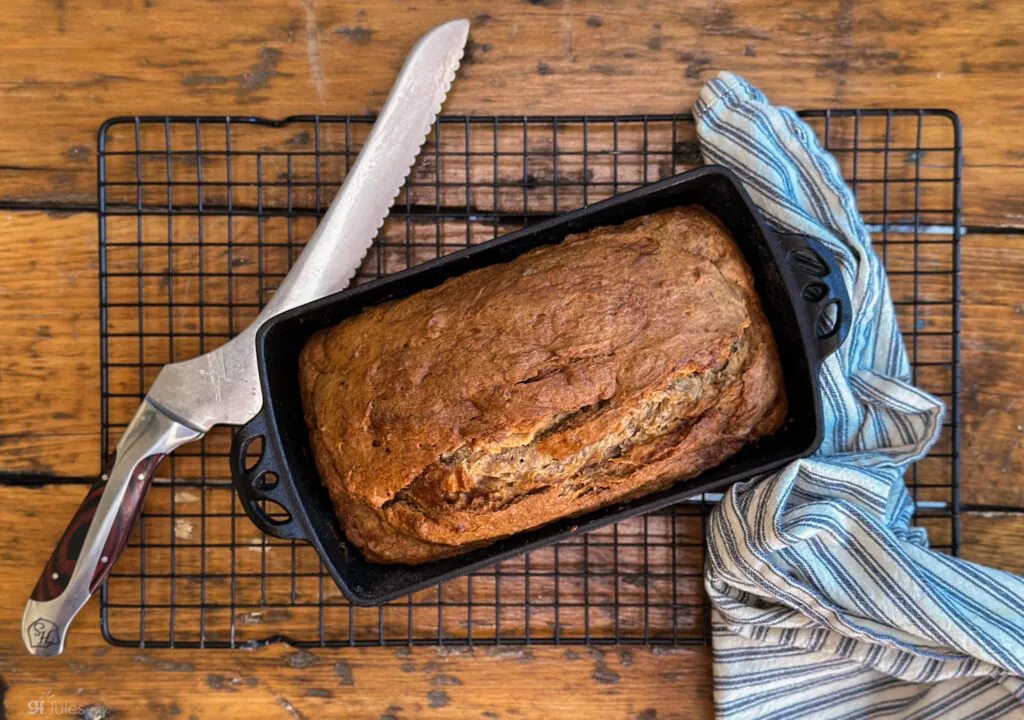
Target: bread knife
x=222 y=386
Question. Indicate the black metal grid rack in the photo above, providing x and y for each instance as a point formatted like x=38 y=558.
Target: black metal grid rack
x=200 y=218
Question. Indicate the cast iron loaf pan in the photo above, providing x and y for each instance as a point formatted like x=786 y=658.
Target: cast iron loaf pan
x=803 y=296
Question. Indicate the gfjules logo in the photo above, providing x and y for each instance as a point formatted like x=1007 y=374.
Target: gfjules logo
x=48 y=704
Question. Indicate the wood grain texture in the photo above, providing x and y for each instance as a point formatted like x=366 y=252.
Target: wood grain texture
x=288 y=683
x=49 y=360
x=68 y=66
x=49 y=378
x=354 y=682
x=284 y=682
x=279 y=681
x=994 y=539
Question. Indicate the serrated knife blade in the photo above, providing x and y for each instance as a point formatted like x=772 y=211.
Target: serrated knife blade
x=222 y=386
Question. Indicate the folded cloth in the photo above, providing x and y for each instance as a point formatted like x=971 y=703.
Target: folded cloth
x=825 y=602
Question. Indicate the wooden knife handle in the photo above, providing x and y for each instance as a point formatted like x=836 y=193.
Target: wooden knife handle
x=100 y=528
x=57 y=572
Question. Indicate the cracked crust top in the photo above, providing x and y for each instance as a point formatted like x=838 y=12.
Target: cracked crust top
x=577 y=375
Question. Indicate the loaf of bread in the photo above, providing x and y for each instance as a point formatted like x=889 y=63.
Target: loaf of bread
x=577 y=375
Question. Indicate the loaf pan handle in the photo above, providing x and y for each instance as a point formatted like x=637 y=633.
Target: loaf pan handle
x=262 y=483
x=821 y=290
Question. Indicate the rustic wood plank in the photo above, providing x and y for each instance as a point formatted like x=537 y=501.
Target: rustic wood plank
x=992 y=453
x=49 y=297
x=993 y=370
x=48 y=268
x=617 y=682
x=992 y=539
x=49 y=366
x=40 y=457
x=279 y=58
x=279 y=680
x=50 y=382
x=993 y=315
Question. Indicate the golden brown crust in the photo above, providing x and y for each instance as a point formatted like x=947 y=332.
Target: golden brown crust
x=575 y=376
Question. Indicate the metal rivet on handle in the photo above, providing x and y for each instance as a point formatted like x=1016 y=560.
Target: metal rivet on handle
x=141 y=476
x=104 y=559
x=55 y=576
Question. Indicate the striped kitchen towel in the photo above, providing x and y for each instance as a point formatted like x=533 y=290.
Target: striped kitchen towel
x=826 y=603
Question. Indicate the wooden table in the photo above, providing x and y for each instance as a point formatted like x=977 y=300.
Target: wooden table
x=68 y=66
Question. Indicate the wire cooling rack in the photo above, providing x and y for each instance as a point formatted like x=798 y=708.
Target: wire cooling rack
x=199 y=220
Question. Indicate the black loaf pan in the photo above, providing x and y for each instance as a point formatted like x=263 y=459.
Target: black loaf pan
x=801 y=291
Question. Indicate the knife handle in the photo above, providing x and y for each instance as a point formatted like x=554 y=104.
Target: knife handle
x=100 y=529
x=61 y=565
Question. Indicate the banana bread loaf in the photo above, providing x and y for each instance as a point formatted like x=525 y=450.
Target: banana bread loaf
x=577 y=375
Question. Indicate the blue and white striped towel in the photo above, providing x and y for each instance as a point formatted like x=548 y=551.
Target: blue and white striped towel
x=826 y=603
